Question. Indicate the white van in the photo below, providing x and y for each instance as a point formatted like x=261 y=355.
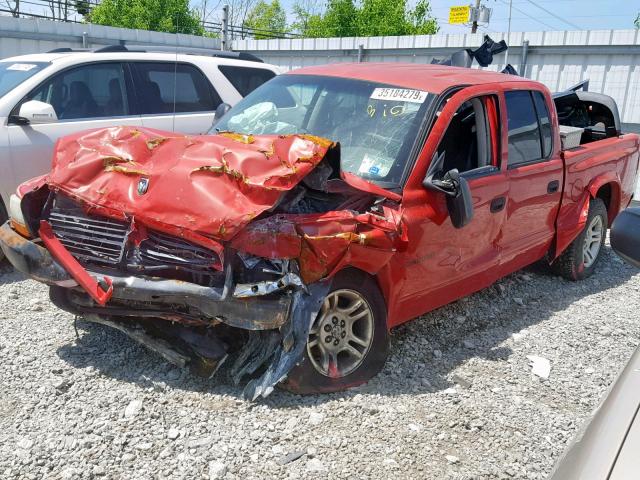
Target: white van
x=47 y=96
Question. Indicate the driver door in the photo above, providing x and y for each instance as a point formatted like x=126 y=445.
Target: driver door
x=441 y=262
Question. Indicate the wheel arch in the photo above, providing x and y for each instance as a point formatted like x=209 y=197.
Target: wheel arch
x=607 y=188
x=380 y=278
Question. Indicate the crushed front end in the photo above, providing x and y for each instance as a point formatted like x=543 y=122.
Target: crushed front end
x=203 y=249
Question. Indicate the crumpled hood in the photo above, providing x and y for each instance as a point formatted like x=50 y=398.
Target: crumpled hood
x=212 y=185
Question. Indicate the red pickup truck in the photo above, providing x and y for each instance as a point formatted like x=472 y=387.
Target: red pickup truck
x=330 y=205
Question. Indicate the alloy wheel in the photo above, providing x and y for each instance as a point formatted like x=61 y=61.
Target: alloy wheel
x=592 y=241
x=342 y=334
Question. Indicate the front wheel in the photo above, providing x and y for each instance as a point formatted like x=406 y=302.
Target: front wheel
x=580 y=258
x=348 y=341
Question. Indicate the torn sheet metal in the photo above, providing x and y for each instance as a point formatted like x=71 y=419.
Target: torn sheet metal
x=211 y=185
x=294 y=339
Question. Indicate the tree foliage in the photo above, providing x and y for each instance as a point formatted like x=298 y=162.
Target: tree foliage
x=365 y=18
x=636 y=22
x=173 y=16
x=267 y=17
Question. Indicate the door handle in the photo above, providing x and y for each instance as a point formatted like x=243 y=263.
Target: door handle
x=497 y=204
x=553 y=187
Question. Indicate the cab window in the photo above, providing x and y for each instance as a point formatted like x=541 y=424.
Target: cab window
x=89 y=91
x=161 y=86
x=529 y=127
x=245 y=79
x=469 y=143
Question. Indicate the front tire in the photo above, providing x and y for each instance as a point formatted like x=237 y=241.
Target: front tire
x=348 y=342
x=580 y=258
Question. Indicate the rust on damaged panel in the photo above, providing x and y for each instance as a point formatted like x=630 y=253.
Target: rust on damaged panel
x=209 y=189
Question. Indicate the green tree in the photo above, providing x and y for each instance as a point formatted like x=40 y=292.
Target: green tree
x=636 y=22
x=366 y=18
x=82 y=7
x=267 y=16
x=173 y=16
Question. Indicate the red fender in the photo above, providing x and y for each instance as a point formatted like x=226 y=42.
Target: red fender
x=604 y=179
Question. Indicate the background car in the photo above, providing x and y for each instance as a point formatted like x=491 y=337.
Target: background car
x=607 y=446
x=46 y=96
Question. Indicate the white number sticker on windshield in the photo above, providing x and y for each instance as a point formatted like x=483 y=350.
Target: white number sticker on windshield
x=399 y=95
x=22 y=67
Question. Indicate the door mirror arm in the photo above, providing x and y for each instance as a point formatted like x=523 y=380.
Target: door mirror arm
x=18 y=120
x=454 y=187
x=222 y=109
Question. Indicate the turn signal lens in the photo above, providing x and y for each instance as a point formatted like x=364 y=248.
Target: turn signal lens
x=20 y=228
x=16 y=219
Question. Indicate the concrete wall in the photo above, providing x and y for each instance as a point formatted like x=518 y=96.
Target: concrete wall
x=609 y=58
x=19 y=36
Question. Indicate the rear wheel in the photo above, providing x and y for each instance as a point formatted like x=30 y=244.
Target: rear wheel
x=348 y=341
x=581 y=257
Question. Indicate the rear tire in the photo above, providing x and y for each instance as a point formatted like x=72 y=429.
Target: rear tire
x=348 y=343
x=580 y=258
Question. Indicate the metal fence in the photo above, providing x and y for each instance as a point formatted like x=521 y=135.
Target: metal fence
x=19 y=36
x=608 y=58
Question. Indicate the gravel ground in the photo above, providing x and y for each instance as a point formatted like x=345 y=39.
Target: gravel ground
x=457 y=399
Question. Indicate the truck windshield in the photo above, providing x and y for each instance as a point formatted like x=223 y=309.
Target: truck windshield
x=14 y=73
x=375 y=124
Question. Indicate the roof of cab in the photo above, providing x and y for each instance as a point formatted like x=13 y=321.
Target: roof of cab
x=430 y=78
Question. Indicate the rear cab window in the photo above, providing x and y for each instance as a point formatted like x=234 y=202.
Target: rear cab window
x=246 y=79
x=529 y=127
x=160 y=85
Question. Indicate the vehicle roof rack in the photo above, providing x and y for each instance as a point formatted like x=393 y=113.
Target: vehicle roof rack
x=68 y=50
x=163 y=49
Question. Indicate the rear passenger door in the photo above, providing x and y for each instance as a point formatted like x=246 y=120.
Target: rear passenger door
x=174 y=96
x=535 y=172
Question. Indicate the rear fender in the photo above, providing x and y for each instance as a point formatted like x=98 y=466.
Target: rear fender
x=608 y=178
x=572 y=219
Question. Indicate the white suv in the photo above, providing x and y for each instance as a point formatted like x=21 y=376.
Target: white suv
x=47 y=96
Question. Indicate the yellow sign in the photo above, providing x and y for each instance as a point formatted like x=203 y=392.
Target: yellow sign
x=459 y=15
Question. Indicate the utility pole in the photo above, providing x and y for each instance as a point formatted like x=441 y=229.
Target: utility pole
x=225 y=27
x=506 y=54
x=474 y=25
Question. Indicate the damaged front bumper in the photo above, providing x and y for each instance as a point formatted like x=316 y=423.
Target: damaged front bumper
x=179 y=320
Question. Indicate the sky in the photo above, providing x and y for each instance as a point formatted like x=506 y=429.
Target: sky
x=527 y=15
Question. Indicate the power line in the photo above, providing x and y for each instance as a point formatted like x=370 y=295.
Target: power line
x=532 y=18
x=554 y=15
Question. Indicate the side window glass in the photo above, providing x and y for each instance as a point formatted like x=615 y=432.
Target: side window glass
x=162 y=84
x=545 y=123
x=244 y=79
x=89 y=91
x=524 y=133
x=467 y=144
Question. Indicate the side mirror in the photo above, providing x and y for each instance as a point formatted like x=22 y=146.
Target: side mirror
x=625 y=236
x=36 y=112
x=220 y=111
x=457 y=191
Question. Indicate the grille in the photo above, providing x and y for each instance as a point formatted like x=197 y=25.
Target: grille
x=103 y=241
x=160 y=250
x=90 y=239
